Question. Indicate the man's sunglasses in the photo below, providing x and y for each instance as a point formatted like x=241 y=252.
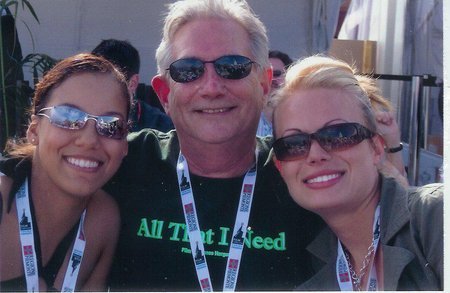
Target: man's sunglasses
x=68 y=117
x=277 y=73
x=330 y=138
x=229 y=67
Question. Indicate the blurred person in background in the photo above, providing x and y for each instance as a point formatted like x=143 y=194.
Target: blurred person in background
x=126 y=57
x=280 y=62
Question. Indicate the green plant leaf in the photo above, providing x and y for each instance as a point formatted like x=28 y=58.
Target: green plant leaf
x=30 y=8
x=19 y=92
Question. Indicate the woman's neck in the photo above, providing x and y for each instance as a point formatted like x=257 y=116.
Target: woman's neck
x=51 y=204
x=354 y=229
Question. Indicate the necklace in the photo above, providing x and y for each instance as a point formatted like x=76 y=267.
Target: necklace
x=358 y=278
x=346 y=276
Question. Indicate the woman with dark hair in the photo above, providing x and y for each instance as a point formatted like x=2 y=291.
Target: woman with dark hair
x=58 y=229
x=380 y=235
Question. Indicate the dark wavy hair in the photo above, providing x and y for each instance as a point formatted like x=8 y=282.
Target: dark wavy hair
x=80 y=63
x=121 y=53
x=282 y=56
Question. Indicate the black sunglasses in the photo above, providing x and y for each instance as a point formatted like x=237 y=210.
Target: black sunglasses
x=229 y=67
x=331 y=138
x=69 y=117
x=277 y=73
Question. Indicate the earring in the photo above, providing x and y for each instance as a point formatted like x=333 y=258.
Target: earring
x=33 y=140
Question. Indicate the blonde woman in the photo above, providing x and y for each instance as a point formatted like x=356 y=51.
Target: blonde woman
x=380 y=236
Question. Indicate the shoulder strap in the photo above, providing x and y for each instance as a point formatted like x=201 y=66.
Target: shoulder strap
x=20 y=171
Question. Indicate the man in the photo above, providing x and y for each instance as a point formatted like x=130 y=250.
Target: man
x=213 y=75
x=126 y=57
x=280 y=62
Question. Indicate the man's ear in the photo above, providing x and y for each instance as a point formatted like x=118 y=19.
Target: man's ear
x=133 y=83
x=266 y=83
x=161 y=88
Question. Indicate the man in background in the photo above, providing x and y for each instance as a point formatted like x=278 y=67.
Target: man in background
x=126 y=57
x=280 y=62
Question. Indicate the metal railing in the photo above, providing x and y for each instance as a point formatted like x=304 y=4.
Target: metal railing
x=418 y=116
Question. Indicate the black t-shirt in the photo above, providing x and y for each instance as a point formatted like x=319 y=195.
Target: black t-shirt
x=154 y=251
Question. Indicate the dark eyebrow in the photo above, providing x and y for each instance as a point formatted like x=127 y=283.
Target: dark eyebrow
x=299 y=131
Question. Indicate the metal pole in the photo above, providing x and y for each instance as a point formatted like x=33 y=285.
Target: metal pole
x=399 y=110
x=425 y=121
x=416 y=91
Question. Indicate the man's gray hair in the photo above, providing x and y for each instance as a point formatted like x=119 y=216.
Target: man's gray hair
x=184 y=11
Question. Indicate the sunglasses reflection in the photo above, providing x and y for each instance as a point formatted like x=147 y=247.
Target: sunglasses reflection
x=68 y=117
x=330 y=138
x=228 y=67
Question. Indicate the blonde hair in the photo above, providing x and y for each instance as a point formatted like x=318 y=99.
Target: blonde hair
x=378 y=102
x=325 y=72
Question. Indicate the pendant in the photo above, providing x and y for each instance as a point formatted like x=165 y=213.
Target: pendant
x=357 y=283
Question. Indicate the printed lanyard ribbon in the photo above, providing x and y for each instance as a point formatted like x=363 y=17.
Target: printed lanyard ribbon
x=342 y=268
x=28 y=246
x=239 y=231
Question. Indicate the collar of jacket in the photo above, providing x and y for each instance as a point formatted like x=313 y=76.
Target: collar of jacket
x=395 y=215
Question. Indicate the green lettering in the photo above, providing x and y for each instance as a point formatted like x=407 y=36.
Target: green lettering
x=280 y=242
x=157 y=229
x=222 y=254
x=185 y=235
x=176 y=230
x=143 y=228
x=223 y=237
x=268 y=243
x=248 y=239
x=185 y=250
x=209 y=237
x=257 y=242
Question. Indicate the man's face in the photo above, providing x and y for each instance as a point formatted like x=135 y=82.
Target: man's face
x=278 y=72
x=212 y=109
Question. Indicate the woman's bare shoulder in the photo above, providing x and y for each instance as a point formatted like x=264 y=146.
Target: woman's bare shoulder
x=103 y=212
x=5 y=187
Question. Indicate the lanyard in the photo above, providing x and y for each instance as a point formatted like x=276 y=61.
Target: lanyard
x=28 y=246
x=192 y=224
x=342 y=268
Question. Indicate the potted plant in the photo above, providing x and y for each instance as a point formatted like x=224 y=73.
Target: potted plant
x=15 y=92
